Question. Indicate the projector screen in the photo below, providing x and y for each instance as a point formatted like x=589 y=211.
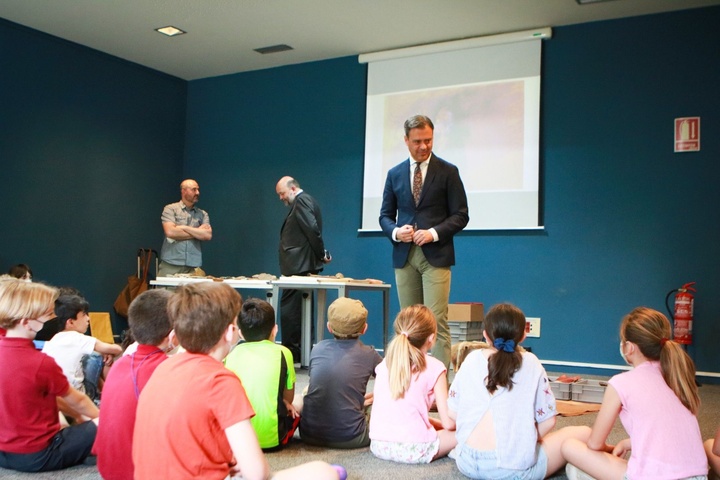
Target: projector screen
x=485 y=104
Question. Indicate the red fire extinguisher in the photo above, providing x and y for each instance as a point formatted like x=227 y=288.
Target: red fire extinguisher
x=682 y=314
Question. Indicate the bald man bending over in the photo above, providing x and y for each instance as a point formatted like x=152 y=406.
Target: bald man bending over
x=185 y=226
x=301 y=251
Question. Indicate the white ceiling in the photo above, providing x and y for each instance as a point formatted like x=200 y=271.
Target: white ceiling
x=223 y=33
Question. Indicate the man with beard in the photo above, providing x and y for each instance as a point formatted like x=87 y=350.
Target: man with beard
x=185 y=226
x=302 y=252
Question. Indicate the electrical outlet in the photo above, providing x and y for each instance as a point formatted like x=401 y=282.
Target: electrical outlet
x=532 y=327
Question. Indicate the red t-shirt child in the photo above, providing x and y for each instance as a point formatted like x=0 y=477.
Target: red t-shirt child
x=113 y=443
x=30 y=381
x=181 y=419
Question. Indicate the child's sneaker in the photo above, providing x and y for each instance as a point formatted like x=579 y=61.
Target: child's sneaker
x=574 y=473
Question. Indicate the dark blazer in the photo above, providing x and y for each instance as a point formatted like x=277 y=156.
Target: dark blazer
x=301 y=245
x=443 y=206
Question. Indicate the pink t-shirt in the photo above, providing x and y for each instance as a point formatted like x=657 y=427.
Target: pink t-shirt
x=405 y=419
x=665 y=436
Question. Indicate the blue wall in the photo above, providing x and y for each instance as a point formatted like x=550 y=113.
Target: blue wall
x=91 y=148
x=626 y=219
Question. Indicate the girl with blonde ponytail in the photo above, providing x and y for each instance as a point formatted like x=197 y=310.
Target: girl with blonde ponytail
x=656 y=401
x=407 y=382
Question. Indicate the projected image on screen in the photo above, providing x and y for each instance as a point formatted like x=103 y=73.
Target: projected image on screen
x=479 y=128
x=482 y=129
x=489 y=129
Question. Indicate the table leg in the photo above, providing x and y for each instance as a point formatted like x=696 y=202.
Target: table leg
x=306 y=343
x=321 y=309
x=273 y=297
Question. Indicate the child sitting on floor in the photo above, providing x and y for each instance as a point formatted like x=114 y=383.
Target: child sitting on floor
x=333 y=412
x=504 y=407
x=267 y=374
x=656 y=401
x=406 y=383
x=150 y=325
x=80 y=356
x=30 y=384
x=193 y=417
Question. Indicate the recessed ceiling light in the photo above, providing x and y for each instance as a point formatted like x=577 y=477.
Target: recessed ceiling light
x=170 y=31
x=274 y=49
x=585 y=2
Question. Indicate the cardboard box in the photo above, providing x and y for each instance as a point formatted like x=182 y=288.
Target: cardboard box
x=465 y=312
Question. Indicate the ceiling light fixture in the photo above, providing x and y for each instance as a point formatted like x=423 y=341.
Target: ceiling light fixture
x=273 y=49
x=170 y=31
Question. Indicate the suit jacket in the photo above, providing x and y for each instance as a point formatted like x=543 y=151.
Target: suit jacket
x=301 y=245
x=443 y=206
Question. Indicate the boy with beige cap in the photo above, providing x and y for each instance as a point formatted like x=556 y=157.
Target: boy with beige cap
x=333 y=413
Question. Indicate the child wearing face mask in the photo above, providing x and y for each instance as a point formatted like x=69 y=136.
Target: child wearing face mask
x=31 y=439
x=657 y=402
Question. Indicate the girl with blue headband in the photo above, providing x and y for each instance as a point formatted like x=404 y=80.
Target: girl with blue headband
x=504 y=407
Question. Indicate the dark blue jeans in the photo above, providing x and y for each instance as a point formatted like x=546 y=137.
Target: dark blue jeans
x=70 y=446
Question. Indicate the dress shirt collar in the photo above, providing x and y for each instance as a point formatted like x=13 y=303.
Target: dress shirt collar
x=423 y=168
x=423 y=165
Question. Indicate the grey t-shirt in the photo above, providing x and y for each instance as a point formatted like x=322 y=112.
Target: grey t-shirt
x=339 y=373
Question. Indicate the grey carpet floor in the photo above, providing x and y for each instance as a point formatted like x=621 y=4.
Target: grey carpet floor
x=362 y=465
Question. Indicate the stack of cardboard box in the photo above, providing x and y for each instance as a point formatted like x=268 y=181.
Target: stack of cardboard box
x=465 y=321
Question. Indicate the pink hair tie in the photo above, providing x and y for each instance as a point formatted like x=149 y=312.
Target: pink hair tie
x=404 y=333
x=663 y=341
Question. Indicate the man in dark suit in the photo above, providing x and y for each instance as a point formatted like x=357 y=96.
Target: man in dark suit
x=424 y=205
x=302 y=252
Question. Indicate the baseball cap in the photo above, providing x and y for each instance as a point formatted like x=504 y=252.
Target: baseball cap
x=347 y=317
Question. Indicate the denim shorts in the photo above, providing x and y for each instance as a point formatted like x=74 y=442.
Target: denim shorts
x=482 y=465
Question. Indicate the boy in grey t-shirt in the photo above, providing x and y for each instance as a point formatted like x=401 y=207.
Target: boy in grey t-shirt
x=334 y=414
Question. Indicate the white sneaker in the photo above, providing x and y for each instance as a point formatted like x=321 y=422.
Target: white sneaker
x=574 y=473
